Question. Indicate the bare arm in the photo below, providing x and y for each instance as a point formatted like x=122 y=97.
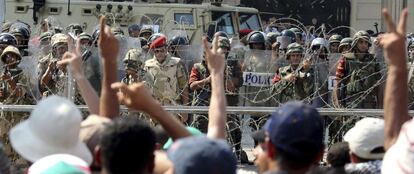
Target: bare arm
x=396 y=90
x=87 y=91
x=137 y=97
x=217 y=109
x=109 y=48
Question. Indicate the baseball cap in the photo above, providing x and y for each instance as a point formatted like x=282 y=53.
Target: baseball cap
x=400 y=157
x=202 y=155
x=297 y=129
x=365 y=137
x=59 y=164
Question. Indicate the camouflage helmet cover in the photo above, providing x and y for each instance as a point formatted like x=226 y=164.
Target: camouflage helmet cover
x=294 y=48
x=85 y=36
x=117 y=31
x=344 y=42
x=336 y=38
x=132 y=59
x=224 y=42
x=145 y=30
x=360 y=35
x=46 y=35
x=10 y=49
x=59 y=38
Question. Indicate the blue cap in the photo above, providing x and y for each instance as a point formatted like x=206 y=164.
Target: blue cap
x=296 y=128
x=202 y=155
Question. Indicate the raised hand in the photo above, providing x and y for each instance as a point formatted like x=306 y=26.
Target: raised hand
x=108 y=43
x=214 y=56
x=134 y=96
x=74 y=59
x=393 y=41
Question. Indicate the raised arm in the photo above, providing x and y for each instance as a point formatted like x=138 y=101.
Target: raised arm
x=137 y=97
x=109 y=49
x=396 y=89
x=217 y=109
x=87 y=91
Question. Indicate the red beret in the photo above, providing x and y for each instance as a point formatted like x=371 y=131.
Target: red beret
x=244 y=32
x=159 y=42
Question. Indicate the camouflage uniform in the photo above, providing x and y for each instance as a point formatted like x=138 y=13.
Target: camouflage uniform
x=358 y=77
x=10 y=119
x=300 y=89
x=134 y=61
x=58 y=84
x=202 y=96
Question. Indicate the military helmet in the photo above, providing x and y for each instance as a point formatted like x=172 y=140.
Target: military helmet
x=295 y=30
x=294 y=48
x=8 y=39
x=271 y=37
x=20 y=29
x=145 y=29
x=336 y=38
x=6 y=26
x=411 y=43
x=59 y=38
x=256 y=37
x=178 y=40
x=117 y=31
x=46 y=35
x=290 y=34
x=222 y=34
x=77 y=28
x=10 y=49
x=85 y=36
x=319 y=42
x=133 y=55
x=344 y=42
x=224 y=42
x=153 y=37
x=360 y=35
x=133 y=27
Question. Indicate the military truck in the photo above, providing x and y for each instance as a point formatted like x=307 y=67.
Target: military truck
x=195 y=19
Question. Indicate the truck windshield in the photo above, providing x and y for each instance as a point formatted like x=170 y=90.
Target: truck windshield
x=224 y=21
x=249 y=21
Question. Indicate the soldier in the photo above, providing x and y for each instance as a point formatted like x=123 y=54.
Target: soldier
x=52 y=76
x=166 y=75
x=22 y=35
x=14 y=90
x=357 y=75
x=298 y=34
x=133 y=63
x=345 y=45
x=146 y=32
x=295 y=81
x=44 y=39
x=200 y=83
x=334 y=42
x=176 y=43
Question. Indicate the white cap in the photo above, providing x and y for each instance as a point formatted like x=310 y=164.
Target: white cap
x=365 y=136
x=55 y=161
x=400 y=157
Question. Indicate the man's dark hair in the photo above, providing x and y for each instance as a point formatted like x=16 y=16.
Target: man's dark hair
x=305 y=159
x=338 y=154
x=127 y=146
x=161 y=134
